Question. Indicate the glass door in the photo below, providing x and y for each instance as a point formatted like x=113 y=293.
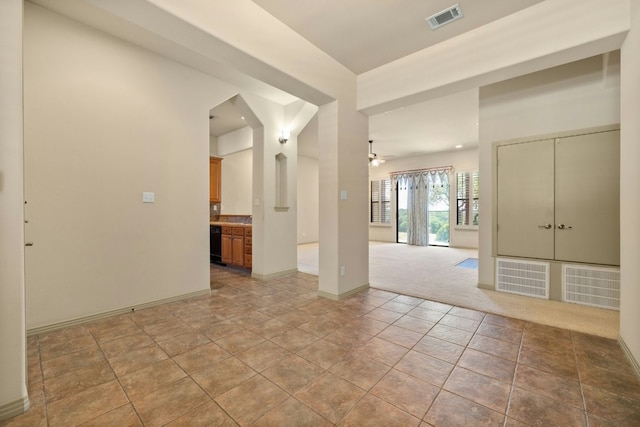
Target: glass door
x=438 y=210
x=401 y=213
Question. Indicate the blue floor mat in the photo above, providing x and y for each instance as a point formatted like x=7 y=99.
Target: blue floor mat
x=469 y=263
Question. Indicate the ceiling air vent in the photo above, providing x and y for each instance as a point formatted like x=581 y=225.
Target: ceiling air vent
x=444 y=17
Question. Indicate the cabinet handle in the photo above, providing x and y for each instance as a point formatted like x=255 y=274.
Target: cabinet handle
x=546 y=226
x=29 y=244
x=564 y=227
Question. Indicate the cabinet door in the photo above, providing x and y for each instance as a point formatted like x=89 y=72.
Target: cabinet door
x=588 y=198
x=215 y=187
x=525 y=200
x=238 y=251
x=227 y=249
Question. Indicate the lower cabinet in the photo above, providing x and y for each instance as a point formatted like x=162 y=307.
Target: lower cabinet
x=236 y=246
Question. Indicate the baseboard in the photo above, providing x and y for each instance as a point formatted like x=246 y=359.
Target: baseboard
x=86 y=319
x=15 y=408
x=273 y=275
x=343 y=295
x=627 y=352
x=486 y=287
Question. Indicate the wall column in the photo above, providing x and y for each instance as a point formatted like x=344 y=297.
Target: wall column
x=344 y=224
x=13 y=392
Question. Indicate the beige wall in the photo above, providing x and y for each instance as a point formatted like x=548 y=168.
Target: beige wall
x=308 y=203
x=237 y=176
x=574 y=96
x=630 y=174
x=13 y=360
x=104 y=122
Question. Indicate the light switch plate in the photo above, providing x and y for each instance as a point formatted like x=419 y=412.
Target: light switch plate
x=148 y=197
x=343 y=195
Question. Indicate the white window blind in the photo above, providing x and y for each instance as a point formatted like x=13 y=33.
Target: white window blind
x=467 y=198
x=381 y=201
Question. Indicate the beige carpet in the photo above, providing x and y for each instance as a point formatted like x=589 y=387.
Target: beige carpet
x=431 y=273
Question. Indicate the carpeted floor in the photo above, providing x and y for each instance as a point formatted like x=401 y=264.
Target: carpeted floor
x=431 y=273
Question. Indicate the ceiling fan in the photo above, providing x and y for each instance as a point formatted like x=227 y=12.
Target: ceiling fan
x=373 y=157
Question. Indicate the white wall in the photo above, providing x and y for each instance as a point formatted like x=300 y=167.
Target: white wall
x=574 y=96
x=237 y=176
x=630 y=174
x=232 y=142
x=308 y=202
x=462 y=161
x=13 y=389
x=105 y=121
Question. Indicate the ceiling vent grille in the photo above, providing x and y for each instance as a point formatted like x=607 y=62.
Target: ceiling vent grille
x=444 y=17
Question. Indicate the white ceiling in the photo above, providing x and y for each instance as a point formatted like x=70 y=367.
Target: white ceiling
x=365 y=34
x=360 y=34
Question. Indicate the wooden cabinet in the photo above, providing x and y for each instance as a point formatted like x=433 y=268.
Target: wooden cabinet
x=215 y=179
x=236 y=246
x=248 y=247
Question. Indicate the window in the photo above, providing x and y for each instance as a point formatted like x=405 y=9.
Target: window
x=467 y=198
x=381 y=201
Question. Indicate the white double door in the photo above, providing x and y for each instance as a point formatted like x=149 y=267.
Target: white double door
x=559 y=199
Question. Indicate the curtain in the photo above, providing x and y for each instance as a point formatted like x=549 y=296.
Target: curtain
x=419 y=184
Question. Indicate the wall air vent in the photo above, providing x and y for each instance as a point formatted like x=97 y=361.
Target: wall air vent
x=522 y=277
x=597 y=287
x=444 y=17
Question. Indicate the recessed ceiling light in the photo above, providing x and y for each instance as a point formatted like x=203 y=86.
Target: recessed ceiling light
x=458 y=146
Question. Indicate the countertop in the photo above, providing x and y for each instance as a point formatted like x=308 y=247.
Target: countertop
x=229 y=224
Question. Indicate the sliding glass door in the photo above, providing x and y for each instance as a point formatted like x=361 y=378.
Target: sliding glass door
x=432 y=211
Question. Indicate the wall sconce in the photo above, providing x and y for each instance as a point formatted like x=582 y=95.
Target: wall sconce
x=284 y=136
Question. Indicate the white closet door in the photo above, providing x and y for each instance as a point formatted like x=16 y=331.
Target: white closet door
x=587 y=198
x=525 y=200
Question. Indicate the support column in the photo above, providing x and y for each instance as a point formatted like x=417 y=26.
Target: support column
x=13 y=389
x=344 y=200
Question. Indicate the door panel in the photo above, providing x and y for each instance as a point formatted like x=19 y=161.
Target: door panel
x=587 y=198
x=525 y=200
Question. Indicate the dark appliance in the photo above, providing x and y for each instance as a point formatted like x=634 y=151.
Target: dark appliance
x=215 y=244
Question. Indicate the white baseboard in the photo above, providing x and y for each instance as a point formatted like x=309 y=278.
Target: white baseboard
x=273 y=275
x=343 y=295
x=15 y=408
x=627 y=352
x=80 y=320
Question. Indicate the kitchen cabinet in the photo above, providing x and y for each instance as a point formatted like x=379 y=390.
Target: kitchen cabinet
x=215 y=179
x=248 y=247
x=559 y=199
x=235 y=241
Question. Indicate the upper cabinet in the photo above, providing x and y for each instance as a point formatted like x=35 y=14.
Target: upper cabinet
x=215 y=184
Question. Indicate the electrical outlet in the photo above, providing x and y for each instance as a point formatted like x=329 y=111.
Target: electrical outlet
x=343 y=271
x=148 y=197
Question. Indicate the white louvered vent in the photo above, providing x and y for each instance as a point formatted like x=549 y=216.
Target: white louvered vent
x=443 y=17
x=530 y=278
x=594 y=286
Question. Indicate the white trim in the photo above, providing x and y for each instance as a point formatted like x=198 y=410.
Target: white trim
x=80 y=320
x=343 y=295
x=15 y=408
x=627 y=352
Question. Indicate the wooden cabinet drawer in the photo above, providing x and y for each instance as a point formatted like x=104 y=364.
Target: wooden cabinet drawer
x=247 y=261
x=238 y=231
x=247 y=241
x=226 y=230
x=247 y=250
x=247 y=231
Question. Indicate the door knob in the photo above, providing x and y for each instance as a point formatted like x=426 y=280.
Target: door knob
x=564 y=227
x=546 y=226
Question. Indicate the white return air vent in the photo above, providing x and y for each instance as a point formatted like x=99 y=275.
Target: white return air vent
x=594 y=286
x=523 y=277
x=444 y=17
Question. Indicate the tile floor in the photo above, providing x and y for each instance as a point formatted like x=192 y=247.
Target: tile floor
x=274 y=354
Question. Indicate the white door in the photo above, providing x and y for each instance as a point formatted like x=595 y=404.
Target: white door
x=525 y=214
x=587 y=198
